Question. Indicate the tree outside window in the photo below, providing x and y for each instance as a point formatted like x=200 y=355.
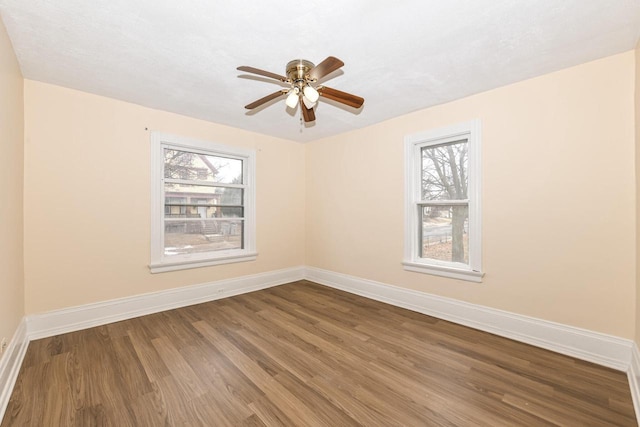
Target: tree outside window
x=444 y=179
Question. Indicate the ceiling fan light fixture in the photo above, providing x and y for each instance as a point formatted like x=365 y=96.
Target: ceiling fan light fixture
x=308 y=103
x=292 y=98
x=311 y=94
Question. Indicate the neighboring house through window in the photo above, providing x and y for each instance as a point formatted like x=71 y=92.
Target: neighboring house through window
x=442 y=202
x=203 y=203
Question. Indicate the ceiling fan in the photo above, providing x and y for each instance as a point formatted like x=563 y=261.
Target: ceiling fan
x=303 y=75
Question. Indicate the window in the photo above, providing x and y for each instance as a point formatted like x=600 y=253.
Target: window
x=442 y=202
x=203 y=202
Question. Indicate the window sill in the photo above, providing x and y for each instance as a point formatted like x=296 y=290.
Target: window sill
x=436 y=270
x=161 y=267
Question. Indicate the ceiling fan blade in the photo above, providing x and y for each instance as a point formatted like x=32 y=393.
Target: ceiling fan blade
x=327 y=66
x=307 y=113
x=266 y=99
x=262 y=73
x=342 y=97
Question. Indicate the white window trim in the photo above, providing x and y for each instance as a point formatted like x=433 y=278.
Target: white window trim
x=413 y=143
x=161 y=263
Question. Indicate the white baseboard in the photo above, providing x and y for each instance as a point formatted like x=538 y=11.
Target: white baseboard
x=90 y=315
x=583 y=344
x=634 y=378
x=10 y=364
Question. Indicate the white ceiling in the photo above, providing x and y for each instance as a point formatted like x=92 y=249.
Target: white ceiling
x=402 y=56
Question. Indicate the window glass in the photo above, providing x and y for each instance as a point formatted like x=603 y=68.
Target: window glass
x=445 y=233
x=188 y=237
x=444 y=171
x=201 y=167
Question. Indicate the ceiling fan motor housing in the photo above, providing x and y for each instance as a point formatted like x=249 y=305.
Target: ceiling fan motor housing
x=298 y=71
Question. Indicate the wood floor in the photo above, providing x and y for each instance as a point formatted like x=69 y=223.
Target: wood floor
x=305 y=355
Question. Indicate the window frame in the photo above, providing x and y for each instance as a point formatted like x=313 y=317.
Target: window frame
x=471 y=131
x=162 y=263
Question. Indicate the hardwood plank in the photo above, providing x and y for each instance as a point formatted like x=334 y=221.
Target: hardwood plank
x=151 y=408
x=269 y=413
x=190 y=383
x=148 y=357
x=315 y=401
x=304 y=354
x=287 y=401
x=361 y=411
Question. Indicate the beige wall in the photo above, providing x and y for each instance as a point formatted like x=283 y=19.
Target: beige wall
x=558 y=217
x=558 y=198
x=87 y=198
x=637 y=122
x=11 y=173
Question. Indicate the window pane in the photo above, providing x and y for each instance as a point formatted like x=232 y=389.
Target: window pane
x=444 y=171
x=230 y=196
x=199 y=201
x=225 y=212
x=188 y=237
x=445 y=233
x=201 y=167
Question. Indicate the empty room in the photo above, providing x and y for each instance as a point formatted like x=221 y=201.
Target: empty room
x=416 y=213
